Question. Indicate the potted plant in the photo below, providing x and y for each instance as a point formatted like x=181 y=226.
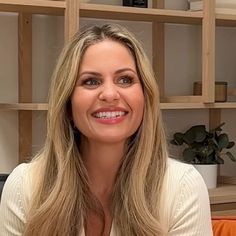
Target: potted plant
x=205 y=149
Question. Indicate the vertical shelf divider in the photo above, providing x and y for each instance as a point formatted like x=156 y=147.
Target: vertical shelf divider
x=158 y=50
x=208 y=51
x=71 y=18
x=25 y=84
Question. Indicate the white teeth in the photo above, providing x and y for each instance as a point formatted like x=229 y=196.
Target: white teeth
x=109 y=114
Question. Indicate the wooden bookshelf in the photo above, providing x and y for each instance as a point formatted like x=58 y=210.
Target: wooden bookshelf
x=33 y=7
x=23 y=106
x=140 y=14
x=224 y=193
x=104 y=12
x=223 y=200
x=198 y=105
x=226 y=17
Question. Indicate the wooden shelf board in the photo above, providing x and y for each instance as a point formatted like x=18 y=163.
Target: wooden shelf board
x=23 y=106
x=103 y=11
x=224 y=213
x=35 y=7
x=196 y=105
x=139 y=14
x=225 y=17
x=223 y=194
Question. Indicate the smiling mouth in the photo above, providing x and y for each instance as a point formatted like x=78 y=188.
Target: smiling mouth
x=109 y=114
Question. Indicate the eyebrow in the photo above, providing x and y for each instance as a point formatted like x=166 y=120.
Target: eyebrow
x=125 y=69
x=117 y=72
x=90 y=73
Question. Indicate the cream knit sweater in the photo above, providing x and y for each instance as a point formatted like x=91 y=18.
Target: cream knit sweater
x=185 y=202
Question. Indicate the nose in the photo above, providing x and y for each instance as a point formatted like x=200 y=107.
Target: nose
x=109 y=92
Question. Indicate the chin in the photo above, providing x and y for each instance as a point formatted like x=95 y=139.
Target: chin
x=111 y=139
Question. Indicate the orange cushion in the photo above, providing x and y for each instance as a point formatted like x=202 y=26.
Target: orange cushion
x=224 y=226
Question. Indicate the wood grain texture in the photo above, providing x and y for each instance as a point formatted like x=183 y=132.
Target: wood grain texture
x=208 y=51
x=158 y=50
x=25 y=84
x=33 y=7
x=23 y=106
x=214 y=118
x=71 y=18
x=223 y=194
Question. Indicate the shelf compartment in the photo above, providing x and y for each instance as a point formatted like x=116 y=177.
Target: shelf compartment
x=103 y=11
x=139 y=14
x=35 y=7
x=182 y=99
x=24 y=106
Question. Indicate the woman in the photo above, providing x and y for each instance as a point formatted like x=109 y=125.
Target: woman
x=104 y=169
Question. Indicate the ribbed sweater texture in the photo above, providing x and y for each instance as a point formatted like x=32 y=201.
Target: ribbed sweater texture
x=184 y=202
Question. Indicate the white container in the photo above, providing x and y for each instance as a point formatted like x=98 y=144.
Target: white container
x=209 y=174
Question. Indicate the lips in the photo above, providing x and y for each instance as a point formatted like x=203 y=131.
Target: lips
x=109 y=113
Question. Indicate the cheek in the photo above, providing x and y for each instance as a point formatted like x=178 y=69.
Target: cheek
x=138 y=105
x=78 y=107
x=138 y=98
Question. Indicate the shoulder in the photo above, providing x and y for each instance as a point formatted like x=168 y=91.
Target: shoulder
x=15 y=200
x=18 y=180
x=183 y=180
x=178 y=173
x=185 y=200
x=179 y=169
x=16 y=191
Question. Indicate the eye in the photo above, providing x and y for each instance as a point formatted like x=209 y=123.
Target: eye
x=91 y=83
x=125 y=81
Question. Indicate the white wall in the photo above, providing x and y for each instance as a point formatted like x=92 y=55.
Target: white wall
x=183 y=66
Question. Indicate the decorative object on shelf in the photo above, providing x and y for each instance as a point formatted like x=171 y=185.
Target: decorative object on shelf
x=135 y=3
x=208 y=173
x=205 y=149
x=197 y=5
x=220 y=90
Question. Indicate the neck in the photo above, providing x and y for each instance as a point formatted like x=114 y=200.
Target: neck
x=102 y=162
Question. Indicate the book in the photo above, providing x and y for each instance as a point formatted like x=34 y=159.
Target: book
x=135 y=3
x=197 y=5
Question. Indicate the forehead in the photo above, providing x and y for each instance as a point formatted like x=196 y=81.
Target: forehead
x=107 y=53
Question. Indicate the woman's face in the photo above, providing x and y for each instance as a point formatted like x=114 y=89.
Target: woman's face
x=108 y=101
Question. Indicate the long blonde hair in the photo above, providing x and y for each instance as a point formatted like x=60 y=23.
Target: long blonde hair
x=61 y=196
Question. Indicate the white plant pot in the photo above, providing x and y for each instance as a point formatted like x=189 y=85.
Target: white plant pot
x=208 y=173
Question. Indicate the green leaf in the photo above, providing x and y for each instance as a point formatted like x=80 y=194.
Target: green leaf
x=178 y=137
x=230 y=145
x=223 y=141
x=188 y=154
x=219 y=160
x=173 y=142
x=196 y=133
x=218 y=128
x=230 y=155
x=210 y=151
x=213 y=143
x=202 y=151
